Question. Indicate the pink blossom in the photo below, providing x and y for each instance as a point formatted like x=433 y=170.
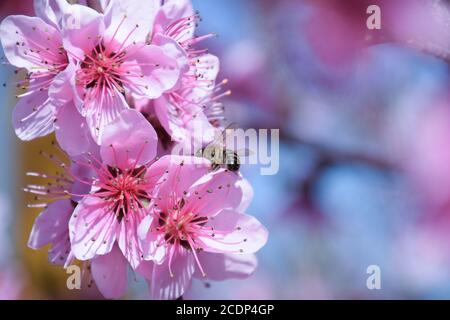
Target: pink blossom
x=105 y=221
x=113 y=60
x=195 y=230
x=187 y=111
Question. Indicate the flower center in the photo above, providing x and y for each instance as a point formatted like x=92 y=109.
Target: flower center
x=124 y=189
x=181 y=228
x=102 y=68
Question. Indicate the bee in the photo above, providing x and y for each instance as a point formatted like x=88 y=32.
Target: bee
x=222 y=157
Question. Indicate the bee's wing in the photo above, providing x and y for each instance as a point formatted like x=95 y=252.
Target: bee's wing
x=214 y=153
x=199 y=152
x=245 y=153
x=220 y=138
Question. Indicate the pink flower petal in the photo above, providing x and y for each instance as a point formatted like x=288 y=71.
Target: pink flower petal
x=145 y=269
x=192 y=127
x=72 y=132
x=128 y=141
x=93 y=229
x=167 y=286
x=34 y=116
x=157 y=170
x=83 y=174
x=138 y=13
x=247 y=195
x=181 y=174
x=209 y=66
x=214 y=192
x=101 y=111
x=219 y=266
x=172 y=49
x=173 y=10
x=61 y=89
x=52 y=227
x=160 y=72
x=128 y=239
x=81 y=27
x=149 y=241
x=50 y=11
x=234 y=232
x=110 y=273
x=60 y=253
x=25 y=41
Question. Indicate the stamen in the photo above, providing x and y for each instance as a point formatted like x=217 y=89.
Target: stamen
x=196 y=257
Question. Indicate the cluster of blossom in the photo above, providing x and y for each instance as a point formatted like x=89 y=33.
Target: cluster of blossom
x=114 y=82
